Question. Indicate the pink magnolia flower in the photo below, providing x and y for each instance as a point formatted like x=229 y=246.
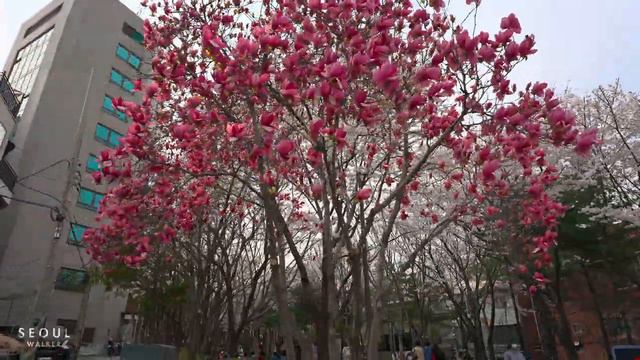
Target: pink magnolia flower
x=364 y=194
x=585 y=142
x=183 y=132
x=284 y=148
x=386 y=77
x=235 y=131
x=489 y=168
x=511 y=22
x=427 y=73
x=316 y=190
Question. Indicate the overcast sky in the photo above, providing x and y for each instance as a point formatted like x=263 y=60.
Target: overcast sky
x=581 y=43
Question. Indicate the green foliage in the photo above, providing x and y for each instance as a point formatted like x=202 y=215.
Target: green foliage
x=599 y=245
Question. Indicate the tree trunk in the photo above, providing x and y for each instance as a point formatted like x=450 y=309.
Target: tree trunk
x=492 y=321
x=546 y=326
x=287 y=320
x=356 y=309
x=564 y=329
x=517 y=316
x=598 y=309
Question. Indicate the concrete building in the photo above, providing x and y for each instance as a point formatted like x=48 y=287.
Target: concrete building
x=67 y=62
x=9 y=106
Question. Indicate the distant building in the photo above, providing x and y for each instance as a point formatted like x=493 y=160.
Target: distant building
x=66 y=64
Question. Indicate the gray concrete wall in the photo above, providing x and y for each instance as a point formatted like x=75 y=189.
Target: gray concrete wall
x=73 y=76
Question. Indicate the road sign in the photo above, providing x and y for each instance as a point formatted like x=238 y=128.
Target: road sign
x=626 y=352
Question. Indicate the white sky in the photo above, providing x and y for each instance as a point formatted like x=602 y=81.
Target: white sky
x=581 y=43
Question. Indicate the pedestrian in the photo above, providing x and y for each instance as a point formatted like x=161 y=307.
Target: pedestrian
x=346 y=353
x=418 y=351
x=276 y=356
x=438 y=354
x=110 y=347
x=514 y=353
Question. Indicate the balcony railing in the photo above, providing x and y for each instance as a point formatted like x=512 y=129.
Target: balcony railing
x=10 y=96
x=7 y=175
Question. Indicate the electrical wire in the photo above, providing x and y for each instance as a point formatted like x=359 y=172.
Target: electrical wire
x=34 y=203
x=19 y=180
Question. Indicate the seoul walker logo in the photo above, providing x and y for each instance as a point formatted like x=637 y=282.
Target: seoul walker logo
x=43 y=337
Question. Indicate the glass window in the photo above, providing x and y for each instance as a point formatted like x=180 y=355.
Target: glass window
x=127 y=85
x=133 y=33
x=114 y=139
x=107 y=104
x=134 y=61
x=122 y=53
x=89 y=198
x=126 y=55
x=92 y=163
x=26 y=65
x=107 y=136
x=76 y=233
x=116 y=77
x=121 y=80
x=71 y=279
x=122 y=116
x=68 y=324
x=102 y=132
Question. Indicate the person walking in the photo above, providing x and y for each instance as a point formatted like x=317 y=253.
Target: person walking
x=514 y=353
x=418 y=351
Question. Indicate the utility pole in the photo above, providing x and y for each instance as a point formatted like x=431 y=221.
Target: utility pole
x=40 y=305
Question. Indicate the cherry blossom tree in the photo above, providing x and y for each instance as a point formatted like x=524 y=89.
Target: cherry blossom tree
x=614 y=168
x=343 y=120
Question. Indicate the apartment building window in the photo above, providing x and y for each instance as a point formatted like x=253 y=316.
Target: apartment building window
x=89 y=199
x=108 y=136
x=129 y=57
x=92 y=163
x=121 y=80
x=26 y=65
x=134 y=34
x=76 y=233
x=69 y=279
x=68 y=324
x=107 y=105
x=87 y=335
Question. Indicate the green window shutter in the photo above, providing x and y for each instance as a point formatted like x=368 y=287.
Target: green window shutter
x=76 y=233
x=71 y=279
x=97 y=199
x=127 y=85
x=116 y=77
x=92 y=164
x=122 y=53
x=107 y=104
x=114 y=139
x=134 y=61
x=102 y=133
x=122 y=116
x=86 y=197
x=138 y=37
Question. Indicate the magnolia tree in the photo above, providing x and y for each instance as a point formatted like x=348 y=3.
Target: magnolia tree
x=344 y=120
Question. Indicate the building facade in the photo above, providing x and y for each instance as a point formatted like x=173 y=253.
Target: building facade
x=67 y=62
x=9 y=107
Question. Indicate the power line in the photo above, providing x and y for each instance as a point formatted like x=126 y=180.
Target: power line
x=19 y=180
x=28 y=202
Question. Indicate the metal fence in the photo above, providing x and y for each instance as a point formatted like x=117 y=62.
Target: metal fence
x=10 y=97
